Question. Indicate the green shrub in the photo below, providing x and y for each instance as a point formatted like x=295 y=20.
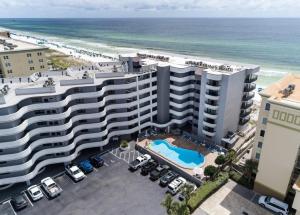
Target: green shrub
x=210 y=171
x=220 y=160
x=206 y=190
x=124 y=144
x=240 y=179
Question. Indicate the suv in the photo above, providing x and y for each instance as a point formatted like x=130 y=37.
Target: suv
x=51 y=188
x=148 y=167
x=86 y=166
x=35 y=192
x=176 y=185
x=19 y=202
x=159 y=172
x=75 y=173
x=139 y=161
x=97 y=161
x=274 y=204
x=167 y=178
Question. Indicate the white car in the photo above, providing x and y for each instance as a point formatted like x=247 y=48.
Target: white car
x=74 y=172
x=51 y=187
x=139 y=161
x=274 y=205
x=176 y=185
x=35 y=192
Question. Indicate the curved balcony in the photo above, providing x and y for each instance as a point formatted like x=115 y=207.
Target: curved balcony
x=210 y=114
x=248 y=95
x=251 y=78
x=249 y=87
x=246 y=105
x=211 y=87
x=209 y=123
x=208 y=133
x=212 y=97
x=211 y=106
x=244 y=120
x=245 y=113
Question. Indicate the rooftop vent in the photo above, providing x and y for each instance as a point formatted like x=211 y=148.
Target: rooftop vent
x=48 y=83
x=288 y=90
x=4 y=90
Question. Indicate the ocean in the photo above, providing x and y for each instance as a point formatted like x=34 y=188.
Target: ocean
x=274 y=44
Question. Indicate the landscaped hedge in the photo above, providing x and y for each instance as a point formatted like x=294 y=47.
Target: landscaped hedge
x=240 y=179
x=206 y=190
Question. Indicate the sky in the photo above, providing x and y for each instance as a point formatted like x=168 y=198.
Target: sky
x=150 y=8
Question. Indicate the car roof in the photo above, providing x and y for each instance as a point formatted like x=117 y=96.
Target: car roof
x=19 y=198
x=73 y=168
x=48 y=181
x=34 y=189
x=279 y=203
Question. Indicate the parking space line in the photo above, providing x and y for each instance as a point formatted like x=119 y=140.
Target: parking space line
x=106 y=164
x=25 y=194
x=12 y=207
x=69 y=179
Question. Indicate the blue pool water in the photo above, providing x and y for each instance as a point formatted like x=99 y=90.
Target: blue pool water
x=183 y=157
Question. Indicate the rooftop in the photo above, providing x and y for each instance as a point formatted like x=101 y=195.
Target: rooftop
x=286 y=90
x=9 y=45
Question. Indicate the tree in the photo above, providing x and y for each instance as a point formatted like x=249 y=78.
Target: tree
x=220 y=160
x=210 y=171
x=183 y=209
x=187 y=192
x=168 y=204
x=249 y=168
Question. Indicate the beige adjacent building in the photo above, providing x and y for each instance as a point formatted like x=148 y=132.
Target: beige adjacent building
x=18 y=58
x=277 y=139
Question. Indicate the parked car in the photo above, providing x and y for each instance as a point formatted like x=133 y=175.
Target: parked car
x=167 y=178
x=148 y=167
x=51 y=188
x=274 y=204
x=74 y=172
x=19 y=202
x=86 y=166
x=159 y=172
x=176 y=185
x=139 y=161
x=181 y=196
x=97 y=161
x=35 y=192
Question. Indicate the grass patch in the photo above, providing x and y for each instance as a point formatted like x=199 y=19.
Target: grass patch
x=240 y=179
x=206 y=190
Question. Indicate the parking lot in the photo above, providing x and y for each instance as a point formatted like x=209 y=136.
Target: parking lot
x=111 y=189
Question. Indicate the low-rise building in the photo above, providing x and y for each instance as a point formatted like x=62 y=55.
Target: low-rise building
x=18 y=58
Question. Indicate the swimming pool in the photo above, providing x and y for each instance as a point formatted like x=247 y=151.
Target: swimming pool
x=183 y=157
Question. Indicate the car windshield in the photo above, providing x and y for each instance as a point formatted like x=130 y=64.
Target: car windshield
x=268 y=199
x=36 y=192
x=76 y=171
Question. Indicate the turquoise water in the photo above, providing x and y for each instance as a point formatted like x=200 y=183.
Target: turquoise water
x=272 y=43
x=183 y=157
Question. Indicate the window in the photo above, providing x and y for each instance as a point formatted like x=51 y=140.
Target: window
x=257 y=156
x=42 y=67
x=39 y=53
x=267 y=107
x=30 y=61
x=8 y=64
x=5 y=57
x=28 y=54
x=259 y=145
x=41 y=60
x=264 y=121
x=262 y=133
x=9 y=71
x=31 y=68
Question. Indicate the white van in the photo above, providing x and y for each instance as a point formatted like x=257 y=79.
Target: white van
x=274 y=205
x=175 y=185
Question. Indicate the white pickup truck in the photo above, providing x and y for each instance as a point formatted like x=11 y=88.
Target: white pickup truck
x=139 y=161
x=51 y=187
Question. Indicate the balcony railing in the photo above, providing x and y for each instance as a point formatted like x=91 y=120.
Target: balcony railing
x=244 y=120
x=251 y=78
x=249 y=87
x=212 y=103
x=245 y=113
x=248 y=96
x=246 y=105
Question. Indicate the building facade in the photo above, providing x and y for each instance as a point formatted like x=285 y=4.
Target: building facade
x=49 y=121
x=19 y=59
x=277 y=146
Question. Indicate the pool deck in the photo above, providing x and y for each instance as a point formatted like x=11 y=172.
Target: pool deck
x=183 y=143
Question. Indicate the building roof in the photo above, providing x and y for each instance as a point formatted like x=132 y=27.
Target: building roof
x=275 y=91
x=12 y=45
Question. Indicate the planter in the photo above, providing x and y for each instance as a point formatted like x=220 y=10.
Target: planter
x=124 y=148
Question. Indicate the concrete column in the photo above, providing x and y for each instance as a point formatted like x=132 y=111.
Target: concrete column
x=28 y=183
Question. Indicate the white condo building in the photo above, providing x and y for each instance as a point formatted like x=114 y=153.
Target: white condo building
x=49 y=117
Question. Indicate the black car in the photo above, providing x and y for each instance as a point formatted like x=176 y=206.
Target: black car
x=148 y=167
x=19 y=202
x=97 y=161
x=159 y=172
x=167 y=178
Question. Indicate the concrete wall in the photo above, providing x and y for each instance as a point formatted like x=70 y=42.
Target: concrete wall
x=231 y=93
x=163 y=94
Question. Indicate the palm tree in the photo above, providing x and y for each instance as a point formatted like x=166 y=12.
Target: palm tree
x=249 y=168
x=168 y=204
x=187 y=192
x=183 y=209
